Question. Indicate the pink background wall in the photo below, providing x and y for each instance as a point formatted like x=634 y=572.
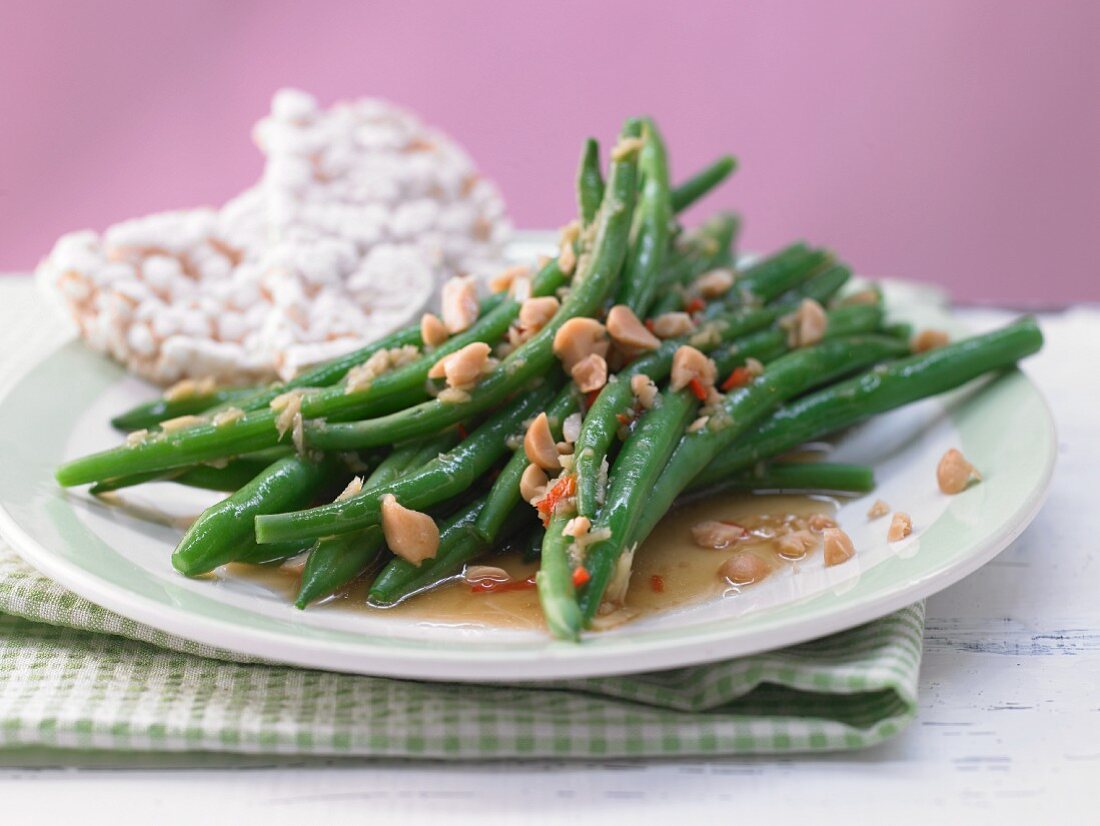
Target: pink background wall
x=950 y=141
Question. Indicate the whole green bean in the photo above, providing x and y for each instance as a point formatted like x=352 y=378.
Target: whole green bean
x=554 y=581
x=148 y=415
x=876 y=391
x=790 y=476
x=222 y=528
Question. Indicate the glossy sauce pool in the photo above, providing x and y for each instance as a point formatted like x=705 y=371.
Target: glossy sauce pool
x=669 y=571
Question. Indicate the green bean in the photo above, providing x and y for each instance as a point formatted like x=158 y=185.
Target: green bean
x=596 y=274
x=392 y=391
x=554 y=581
x=149 y=415
x=504 y=496
x=601 y=423
x=250 y=553
x=439 y=480
x=334 y=561
x=694 y=188
x=785 y=378
x=791 y=476
x=590 y=183
x=876 y=391
x=219 y=532
x=653 y=219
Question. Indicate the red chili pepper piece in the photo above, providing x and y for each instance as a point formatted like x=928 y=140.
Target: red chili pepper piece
x=590 y=398
x=462 y=432
x=580 y=577
x=649 y=325
x=695 y=305
x=563 y=489
x=697 y=389
x=657 y=583
x=738 y=378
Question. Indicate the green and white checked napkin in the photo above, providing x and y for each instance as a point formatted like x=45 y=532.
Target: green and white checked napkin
x=76 y=676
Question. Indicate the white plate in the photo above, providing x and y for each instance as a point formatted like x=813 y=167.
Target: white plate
x=112 y=557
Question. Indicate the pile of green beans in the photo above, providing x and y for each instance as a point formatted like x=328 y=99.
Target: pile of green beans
x=460 y=461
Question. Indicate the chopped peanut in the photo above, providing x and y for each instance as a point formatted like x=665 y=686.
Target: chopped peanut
x=689 y=363
x=502 y=282
x=714 y=534
x=838 y=547
x=353 y=487
x=577 y=527
x=796 y=544
x=900 y=527
x=644 y=389
x=433 y=331
x=411 y=535
x=578 y=338
x=878 y=510
x=954 y=473
x=819 y=522
x=627 y=331
x=927 y=340
x=459 y=303
x=754 y=366
x=567 y=257
x=535 y=312
x=190 y=388
x=533 y=482
x=714 y=283
x=868 y=297
x=744 y=568
x=181 y=422
x=625 y=148
x=672 y=325
x=462 y=368
x=590 y=373
x=480 y=573
x=538 y=444
x=806 y=325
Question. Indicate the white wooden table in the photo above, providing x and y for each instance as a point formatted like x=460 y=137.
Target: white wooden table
x=1008 y=731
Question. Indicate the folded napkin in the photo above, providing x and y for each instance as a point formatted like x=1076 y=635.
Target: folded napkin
x=76 y=676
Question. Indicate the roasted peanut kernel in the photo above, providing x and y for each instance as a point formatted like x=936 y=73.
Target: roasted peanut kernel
x=644 y=389
x=539 y=445
x=714 y=283
x=754 y=366
x=900 y=527
x=433 y=331
x=411 y=535
x=838 y=547
x=462 y=368
x=954 y=473
x=627 y=331
x=806 y=325
x=867 y=297
x=535 y=312
x=590 y=373
x=672 y=325
x=502 y=281
x=744 y=568
x=927 y=340
x=459 y=303
x=689 y=363
x=714 y=534
x=532 y=484
x=796 y=544
x=578 y=338
x=878 y=510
